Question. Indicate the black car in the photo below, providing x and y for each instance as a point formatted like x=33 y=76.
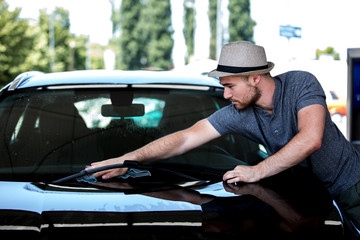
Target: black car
x=54 y=125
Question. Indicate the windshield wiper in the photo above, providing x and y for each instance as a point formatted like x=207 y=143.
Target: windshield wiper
x=126 y=164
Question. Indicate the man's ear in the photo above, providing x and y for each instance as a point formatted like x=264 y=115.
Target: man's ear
x=254 y=79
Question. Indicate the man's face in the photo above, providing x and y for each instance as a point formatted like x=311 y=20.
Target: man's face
x=240 y=91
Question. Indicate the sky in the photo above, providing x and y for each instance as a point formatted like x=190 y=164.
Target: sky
x=95 y=13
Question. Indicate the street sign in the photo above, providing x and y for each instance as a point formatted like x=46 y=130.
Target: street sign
x=289 y=31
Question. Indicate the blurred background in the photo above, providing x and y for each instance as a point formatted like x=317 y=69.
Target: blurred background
x=179 y=35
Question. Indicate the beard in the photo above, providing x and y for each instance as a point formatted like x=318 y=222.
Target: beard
x=251 y=99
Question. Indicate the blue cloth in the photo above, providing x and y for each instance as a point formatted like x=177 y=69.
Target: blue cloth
x=131 y=173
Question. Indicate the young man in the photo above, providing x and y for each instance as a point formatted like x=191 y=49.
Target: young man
x=286 y=113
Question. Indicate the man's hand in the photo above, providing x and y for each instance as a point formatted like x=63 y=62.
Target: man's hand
x=242 y=173
x=108 y=173
x=311 y=124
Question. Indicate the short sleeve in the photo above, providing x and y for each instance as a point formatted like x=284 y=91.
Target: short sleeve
x=309 y=92
x=222 y=119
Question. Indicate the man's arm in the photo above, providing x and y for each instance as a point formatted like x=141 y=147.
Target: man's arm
x=311 y=124
x=171 y=145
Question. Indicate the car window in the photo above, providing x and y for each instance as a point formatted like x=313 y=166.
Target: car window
x=47 y=134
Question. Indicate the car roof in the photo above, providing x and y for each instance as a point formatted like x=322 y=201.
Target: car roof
x=106 y=77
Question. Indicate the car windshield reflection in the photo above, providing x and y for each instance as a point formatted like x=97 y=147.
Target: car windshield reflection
x=69 y=129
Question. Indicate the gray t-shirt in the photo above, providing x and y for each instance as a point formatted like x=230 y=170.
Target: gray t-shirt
x=336 y=163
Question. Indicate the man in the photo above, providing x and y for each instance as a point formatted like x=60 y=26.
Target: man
x=286 y=113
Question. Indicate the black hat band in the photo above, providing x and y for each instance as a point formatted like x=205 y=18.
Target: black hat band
x=229 y=69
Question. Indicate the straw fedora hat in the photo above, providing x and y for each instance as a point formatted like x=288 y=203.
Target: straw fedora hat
x=242 y=58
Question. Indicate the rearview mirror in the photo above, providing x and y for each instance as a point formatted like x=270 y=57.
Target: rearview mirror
x=134 y=110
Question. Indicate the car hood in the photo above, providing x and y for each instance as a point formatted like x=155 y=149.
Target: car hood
x=26 y=196
x=190 y=211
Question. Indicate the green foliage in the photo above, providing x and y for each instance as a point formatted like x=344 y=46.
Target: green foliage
x=130 y=41
x=156 y=27
x=241 y=26
x=145 y=34
x=41 y=58
x=328 y=51
x=240 y=23
x=189 y=27
x=70 y=51
x=25 y=46
x=97 y=56
x=142 y=37
x=15 y=43
x=213 y=27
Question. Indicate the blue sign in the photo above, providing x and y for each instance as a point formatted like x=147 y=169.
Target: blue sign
x=290 y=31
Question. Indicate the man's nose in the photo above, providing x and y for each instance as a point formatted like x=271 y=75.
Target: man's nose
x=227 y=94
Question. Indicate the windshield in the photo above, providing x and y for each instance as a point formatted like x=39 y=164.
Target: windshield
x=48 y=134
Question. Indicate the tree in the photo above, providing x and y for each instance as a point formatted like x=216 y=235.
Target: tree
x=97 y=56
x=25 y=46
x=78 y=54
x=213 y=27
x=189 y=27
x=62 y=39
x=157 y=29
x=130 y=42
x=241 y=26
x=70 y=51
x=145 y=34
x=15 y=43
x=328 y=51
